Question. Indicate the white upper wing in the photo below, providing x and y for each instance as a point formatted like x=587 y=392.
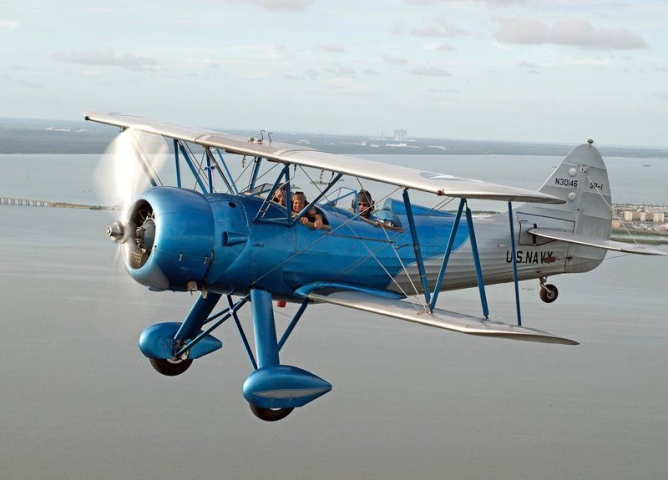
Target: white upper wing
x=405 y=177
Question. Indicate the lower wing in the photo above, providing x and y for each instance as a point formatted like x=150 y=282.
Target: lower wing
x=445 y=319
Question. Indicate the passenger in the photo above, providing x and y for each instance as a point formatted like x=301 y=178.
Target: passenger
x=279 y=195
x=365 y=204
x=312 y=218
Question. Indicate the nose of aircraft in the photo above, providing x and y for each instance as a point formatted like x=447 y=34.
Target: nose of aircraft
x=167 y=238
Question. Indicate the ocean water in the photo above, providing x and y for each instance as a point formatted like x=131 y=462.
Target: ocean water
x=78 y=400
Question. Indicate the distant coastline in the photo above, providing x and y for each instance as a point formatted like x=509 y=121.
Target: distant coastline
x=34 y=136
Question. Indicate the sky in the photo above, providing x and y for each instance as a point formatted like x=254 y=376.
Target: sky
x=559 y=71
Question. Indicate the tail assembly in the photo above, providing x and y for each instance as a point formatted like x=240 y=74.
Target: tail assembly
x=585 y=220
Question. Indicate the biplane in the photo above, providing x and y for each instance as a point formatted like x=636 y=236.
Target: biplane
x=226 y=237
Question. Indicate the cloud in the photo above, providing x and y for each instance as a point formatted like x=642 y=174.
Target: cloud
x=577 y=33
x=529 y=65
x=108 y=58
x=276 y=5
x=491 y=3
x=9 y=25
x=340 y=71
x=445 y=47
x=32 y=84
x=331 y=47
x=441 y=27
x=431 y=71
x=391 y=59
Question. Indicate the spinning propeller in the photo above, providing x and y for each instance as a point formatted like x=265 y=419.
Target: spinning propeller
x=131 y=163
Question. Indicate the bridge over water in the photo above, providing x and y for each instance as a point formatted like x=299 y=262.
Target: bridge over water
x=30 y=202
x=25 y=202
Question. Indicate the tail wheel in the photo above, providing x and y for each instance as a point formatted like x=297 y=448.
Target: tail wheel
x=270 y=414
x=170 y=367
x=548 y=293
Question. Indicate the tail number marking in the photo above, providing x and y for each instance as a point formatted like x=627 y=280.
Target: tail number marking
x=566 y=182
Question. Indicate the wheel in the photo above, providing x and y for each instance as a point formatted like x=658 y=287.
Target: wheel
x=170 y=367
x=270 y=414
x=548 y=293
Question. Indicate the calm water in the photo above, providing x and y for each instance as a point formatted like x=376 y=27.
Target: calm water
x=80 y=401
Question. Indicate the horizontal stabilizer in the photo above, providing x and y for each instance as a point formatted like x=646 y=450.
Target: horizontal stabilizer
x=594 y=242
x=439 y=318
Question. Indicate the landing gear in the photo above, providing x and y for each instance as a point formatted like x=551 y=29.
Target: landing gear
x=548 y=292
x=169 y=367
x=270 y=414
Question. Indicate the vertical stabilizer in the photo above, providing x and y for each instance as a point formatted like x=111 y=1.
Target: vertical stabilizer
x=582 y=181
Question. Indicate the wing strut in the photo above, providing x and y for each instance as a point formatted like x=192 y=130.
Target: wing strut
x=257 y=162
x=476 y=261
x=229 y=174
x=416 y=247
x=512 y=250
x=446 y=257
x=177 y=163
x=190 y=164
x=431 y=300
x=285 y=174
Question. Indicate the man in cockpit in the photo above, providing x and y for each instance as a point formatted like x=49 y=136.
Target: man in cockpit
x=312 y=218
x=365 y=204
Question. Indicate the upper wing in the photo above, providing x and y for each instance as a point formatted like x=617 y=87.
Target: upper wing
x=404 y=177
x=438 y=318
x=594 y=242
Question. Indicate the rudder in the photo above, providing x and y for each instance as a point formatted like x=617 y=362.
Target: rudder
x=581 y=180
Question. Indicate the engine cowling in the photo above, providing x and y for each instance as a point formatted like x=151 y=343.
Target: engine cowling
x=167 y=238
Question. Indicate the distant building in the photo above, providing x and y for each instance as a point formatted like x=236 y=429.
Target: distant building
x=644 y=216
x=400 y=135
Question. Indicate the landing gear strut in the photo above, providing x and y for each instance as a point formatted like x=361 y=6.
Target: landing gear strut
x=548 y=292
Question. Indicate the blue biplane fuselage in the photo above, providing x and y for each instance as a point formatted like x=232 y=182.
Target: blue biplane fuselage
x=216 y=243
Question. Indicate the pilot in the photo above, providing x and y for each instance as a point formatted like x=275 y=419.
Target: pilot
x=365 y=204
x=312 y=218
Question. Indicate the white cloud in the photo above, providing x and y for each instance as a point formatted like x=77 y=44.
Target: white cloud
x=491 y=3
x=431 y=71
x=9 y=25
x=276 y=5
x=445 y=47
x=574 y=32
x=440 y=27
x=108 y=58
x=341 y=71
x=332 y=47
x=394 y=60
